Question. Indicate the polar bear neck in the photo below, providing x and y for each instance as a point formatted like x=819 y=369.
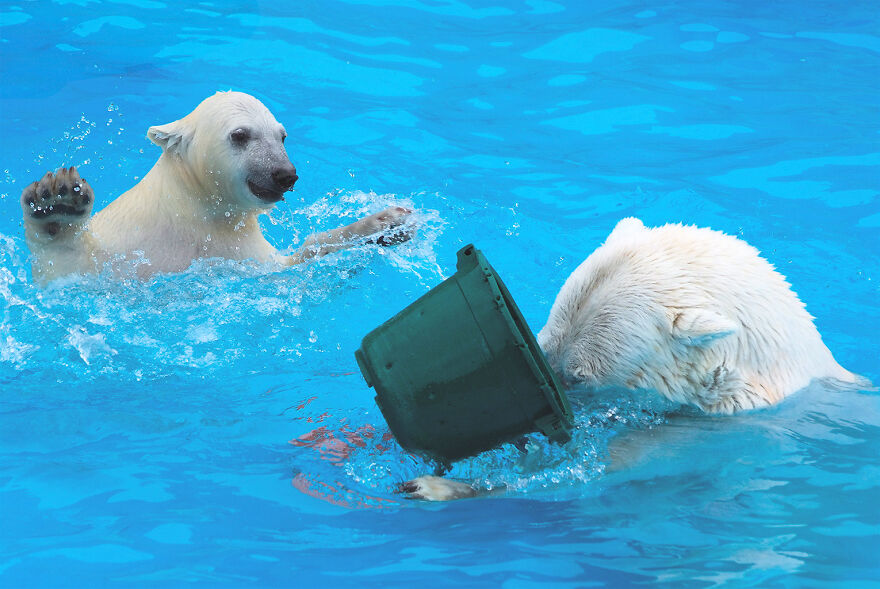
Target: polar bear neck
x=172 y=218
x=191 y=193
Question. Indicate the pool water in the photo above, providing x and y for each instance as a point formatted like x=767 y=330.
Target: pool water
x=212 y=427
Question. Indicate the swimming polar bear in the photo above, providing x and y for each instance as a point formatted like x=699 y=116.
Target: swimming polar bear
x=691 y=313
x=694 y=314
x=222 y=166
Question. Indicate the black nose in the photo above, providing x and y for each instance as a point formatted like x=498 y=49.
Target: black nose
x=285 y=177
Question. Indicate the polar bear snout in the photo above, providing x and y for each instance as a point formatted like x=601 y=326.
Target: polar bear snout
x=563 y=369
x=285 y=177
x=272 y=189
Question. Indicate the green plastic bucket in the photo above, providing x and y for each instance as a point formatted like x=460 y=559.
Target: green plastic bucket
x=459 y=372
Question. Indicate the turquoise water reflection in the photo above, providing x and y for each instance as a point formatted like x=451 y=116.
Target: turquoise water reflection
x=212 y=427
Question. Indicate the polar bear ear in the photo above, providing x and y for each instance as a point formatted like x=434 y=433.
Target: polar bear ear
x=700 y=327
x=173 y=138
x=625 y=228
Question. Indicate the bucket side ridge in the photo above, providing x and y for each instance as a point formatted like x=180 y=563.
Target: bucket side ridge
x=516 y=371
x=534 y=357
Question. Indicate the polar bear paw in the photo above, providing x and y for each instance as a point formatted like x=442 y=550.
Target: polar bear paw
x=431 y=488
x=58 y=200
x=389 y=224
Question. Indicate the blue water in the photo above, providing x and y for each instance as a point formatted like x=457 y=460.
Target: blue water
x=212 y=428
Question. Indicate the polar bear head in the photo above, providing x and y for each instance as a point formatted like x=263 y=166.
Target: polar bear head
x=232 y=149
x=622 y=320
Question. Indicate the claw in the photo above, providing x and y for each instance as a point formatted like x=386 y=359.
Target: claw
x=432 y=488
x=409 y=487
x=62 y=196
x=389 y=240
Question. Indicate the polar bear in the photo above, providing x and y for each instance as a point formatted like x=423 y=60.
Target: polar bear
x=221 y=166
x=694 y=314
x=691 y=313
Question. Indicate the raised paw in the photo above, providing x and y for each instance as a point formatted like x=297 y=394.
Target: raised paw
x=390 y=224
x=431 y=488
x=58 y=199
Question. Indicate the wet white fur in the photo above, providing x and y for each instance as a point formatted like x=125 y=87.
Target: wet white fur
x=432 y=488
x=692 y=313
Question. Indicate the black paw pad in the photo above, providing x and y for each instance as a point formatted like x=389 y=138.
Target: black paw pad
x=60 y=196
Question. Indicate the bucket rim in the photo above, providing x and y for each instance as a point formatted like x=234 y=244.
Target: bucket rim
x=528 y=347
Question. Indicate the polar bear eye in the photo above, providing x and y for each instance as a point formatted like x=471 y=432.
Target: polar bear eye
x=240 y=137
